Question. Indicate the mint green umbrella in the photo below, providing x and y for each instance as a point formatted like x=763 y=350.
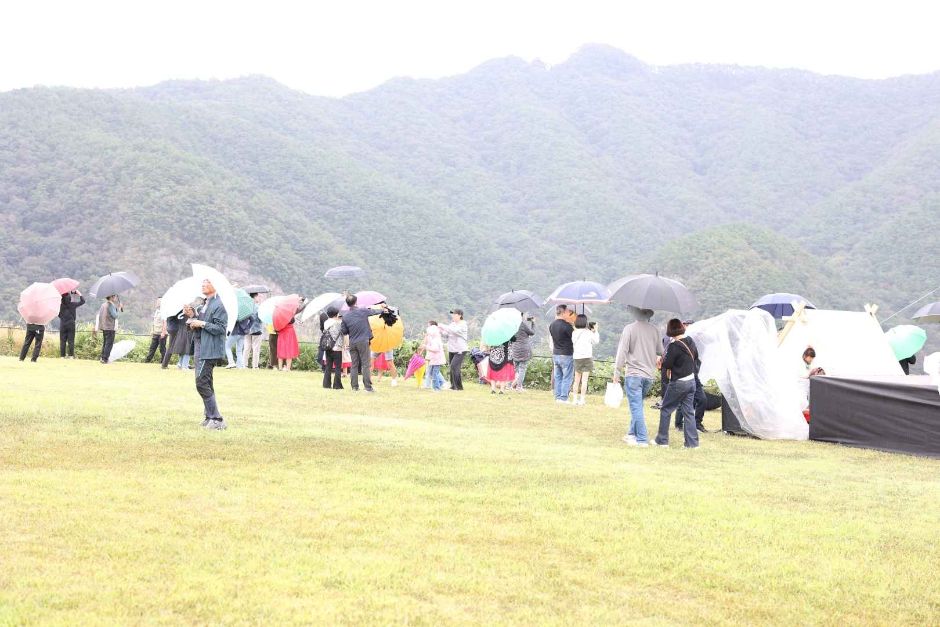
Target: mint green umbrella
x=246 y=304
x=906 y=340
x=500 y=326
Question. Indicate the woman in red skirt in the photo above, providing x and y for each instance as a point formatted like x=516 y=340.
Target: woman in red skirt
x=500 y=371
x=288 y=348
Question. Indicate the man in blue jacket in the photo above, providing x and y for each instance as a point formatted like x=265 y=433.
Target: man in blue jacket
x=210 y=324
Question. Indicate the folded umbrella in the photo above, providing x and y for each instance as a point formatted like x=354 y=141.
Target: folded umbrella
x=183 y=292
x=906 y=340
x=580 y=293
x=121 y=349
x=781 y=304
x=222 y=286
x=500 y=326
x=344 y=272
x=928 y=313
x=39 y=303
x=523 y=300
x=113 y=283
x=65 y=285
x=320 y=303
x=386 y=337
x=651 y=291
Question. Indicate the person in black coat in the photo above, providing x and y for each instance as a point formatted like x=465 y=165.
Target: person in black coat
x=34 y=333
x=907 y=363
x=70 y=302
x=682 y=364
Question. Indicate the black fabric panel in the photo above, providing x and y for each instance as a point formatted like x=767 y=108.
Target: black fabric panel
x=729 y=421
x=888 y=414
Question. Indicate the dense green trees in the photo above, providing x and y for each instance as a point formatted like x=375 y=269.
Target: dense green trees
x=512 y=175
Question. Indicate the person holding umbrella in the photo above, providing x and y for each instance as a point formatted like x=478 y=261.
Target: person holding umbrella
x=108 y=314
x=70 y=302
x=457 y=335
x=561 y=331
x=637 y=355
x=520 y=351
x=209 y=325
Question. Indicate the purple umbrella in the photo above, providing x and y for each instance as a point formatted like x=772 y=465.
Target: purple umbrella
x=580 y=293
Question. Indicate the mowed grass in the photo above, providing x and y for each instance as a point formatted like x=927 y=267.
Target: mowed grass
x=409 y=507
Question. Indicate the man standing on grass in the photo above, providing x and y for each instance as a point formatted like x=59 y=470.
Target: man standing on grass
x=157 y=336
x=356 y=325
x=210 y=325
x=562 y=351
x=637 y=356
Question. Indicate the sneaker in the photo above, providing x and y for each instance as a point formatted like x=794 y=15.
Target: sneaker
x=558 y=400
x=663 y=445
x=581 y=402
x=205 y=422
x=656 y=406
x=229 y=367
x=629 y=439
x=394 y=383
x=642 y=444
x=701 y=429
x=370 y=391
x=216 y=425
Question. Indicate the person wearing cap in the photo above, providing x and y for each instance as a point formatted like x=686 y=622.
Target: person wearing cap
x=457 y=335
x=209 y=325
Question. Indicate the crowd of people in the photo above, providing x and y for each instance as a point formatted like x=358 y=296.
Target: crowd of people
x=198 y=335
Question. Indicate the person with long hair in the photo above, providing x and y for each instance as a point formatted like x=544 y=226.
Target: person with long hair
x=584 y=338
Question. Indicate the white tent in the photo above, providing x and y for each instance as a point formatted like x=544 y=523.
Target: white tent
x=847 y=343
x=739 y=351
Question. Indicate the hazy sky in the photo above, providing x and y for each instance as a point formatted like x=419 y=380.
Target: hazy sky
x=337 y=47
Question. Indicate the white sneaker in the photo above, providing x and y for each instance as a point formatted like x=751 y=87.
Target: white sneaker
x=394 y=383
x=663 y=445
x=629 y=439
x=582 y=402
x=558 y=400
x=642 y=444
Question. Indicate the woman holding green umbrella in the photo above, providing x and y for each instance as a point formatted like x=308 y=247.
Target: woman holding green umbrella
x=498 y=329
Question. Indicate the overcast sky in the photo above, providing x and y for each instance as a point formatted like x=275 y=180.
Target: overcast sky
x=342 y=46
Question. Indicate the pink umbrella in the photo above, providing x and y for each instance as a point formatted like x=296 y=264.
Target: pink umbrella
x=368 y=298
x=65 y=285
x=39 y=303
x=414 y=365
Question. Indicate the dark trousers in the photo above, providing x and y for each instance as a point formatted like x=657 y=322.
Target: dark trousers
x=361 y=362
x=679 y=395
x=204 y=368
x=333 y=366
x=156 y=341
x=67 y=341
x=106 y=345
x=170 y=341
x=456 y=363
x=698 y=405
x=32 y=335
x=272 y=351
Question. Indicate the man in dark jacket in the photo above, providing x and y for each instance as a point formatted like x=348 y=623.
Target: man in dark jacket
x=70 y=302
x=210 y=325
x=356 y=326
x=34 y=333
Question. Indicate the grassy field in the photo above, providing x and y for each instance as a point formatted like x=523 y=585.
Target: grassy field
x=410 y=507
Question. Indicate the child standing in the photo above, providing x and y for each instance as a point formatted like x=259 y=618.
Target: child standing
x=584 y=338
x=433 y=345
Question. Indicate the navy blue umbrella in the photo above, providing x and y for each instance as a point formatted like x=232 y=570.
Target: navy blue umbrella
x=781 y=305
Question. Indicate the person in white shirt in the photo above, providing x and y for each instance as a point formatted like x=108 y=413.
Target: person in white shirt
x=456 y=334
x=585 y=337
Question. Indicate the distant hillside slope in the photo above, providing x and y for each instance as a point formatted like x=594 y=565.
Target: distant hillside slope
x=738 y=180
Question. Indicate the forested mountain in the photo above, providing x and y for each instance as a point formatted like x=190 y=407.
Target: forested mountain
x=738 y=181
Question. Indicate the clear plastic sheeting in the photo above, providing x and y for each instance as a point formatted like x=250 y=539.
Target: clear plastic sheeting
x=739 y=352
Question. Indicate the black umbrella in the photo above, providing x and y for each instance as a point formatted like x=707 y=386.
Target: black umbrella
x=651 y=291
x=257 y=289
x=928 y=313
x=523 y=300
x=344 y=272
x=113 y=283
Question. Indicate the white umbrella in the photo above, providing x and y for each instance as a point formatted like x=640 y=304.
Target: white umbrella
x=318 y=304
x=183 y=292
x=121 y=349
x=222 y=287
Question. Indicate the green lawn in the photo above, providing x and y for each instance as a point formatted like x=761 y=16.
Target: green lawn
x=412 y=507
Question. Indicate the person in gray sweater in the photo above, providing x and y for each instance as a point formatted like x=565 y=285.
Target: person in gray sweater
x=520 y=351
x=637 y=356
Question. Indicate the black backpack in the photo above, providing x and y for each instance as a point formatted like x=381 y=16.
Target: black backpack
x=328 y=340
